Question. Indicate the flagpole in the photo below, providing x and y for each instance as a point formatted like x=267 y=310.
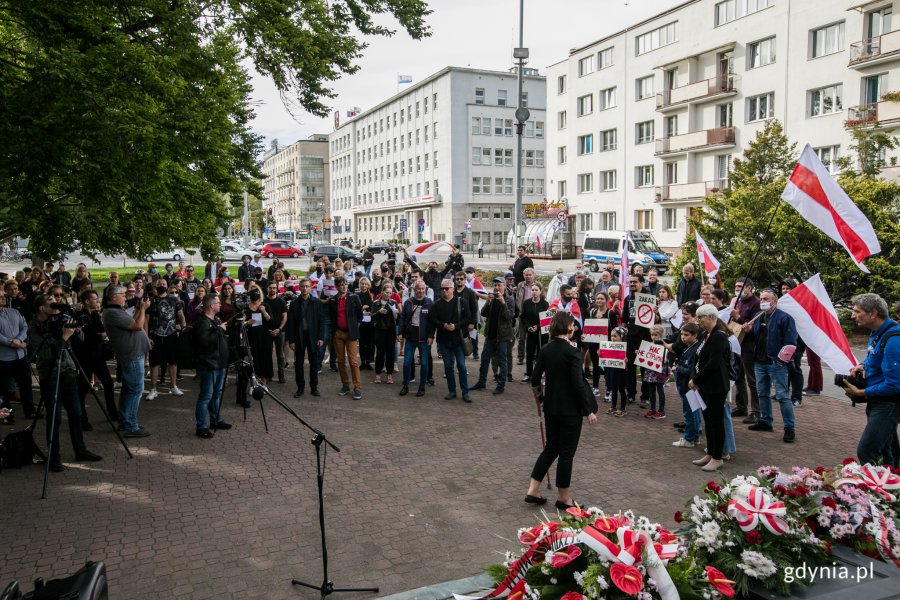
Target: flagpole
x=758 y=249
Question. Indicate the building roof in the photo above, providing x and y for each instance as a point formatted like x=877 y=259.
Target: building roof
x=604 y=39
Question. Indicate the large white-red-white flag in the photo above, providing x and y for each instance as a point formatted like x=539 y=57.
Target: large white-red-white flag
x=710 y=264
x=624 y=272
x=820 y=200
x=818 y=325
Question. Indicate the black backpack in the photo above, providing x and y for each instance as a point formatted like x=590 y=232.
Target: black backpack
x=18 y=450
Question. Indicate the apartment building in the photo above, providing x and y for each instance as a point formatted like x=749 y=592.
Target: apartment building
x=644 y=123
x=296 y=184
x=436 y=161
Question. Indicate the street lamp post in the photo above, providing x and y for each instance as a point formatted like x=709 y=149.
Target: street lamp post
x=522 y=114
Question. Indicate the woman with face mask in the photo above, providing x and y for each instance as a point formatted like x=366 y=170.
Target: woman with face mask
x=553 y=289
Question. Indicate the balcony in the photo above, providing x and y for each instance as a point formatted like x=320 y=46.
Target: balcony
x=883 y=113
x=701 y=91
x=698 y=141
x=875 y=50
x=689 y=192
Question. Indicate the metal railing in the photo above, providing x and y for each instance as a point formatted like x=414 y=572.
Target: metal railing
x=719 y=84
x=696 y=140
x=687 y=191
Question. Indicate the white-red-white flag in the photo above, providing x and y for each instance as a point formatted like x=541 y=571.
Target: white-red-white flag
x=818 y=325
x=624 y=272
x=710 y=264
x=821 y=201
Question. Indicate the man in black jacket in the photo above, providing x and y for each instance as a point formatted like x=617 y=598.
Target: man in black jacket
x=450 y=317
x=211 y=347
x=455 y=262
x=499 y=312
x=688 y=287
x=636 y=334
x=461 y=290
x=523 y=261
x=305 y=333
x=244 y=271
x=346 y=315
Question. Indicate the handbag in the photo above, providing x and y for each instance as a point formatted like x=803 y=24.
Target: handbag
x=468 y=349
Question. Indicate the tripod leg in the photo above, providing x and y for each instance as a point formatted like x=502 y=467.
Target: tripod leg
x=100 y=404
x=51 y=433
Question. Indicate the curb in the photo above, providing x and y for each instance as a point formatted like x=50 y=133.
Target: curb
x=441 y=591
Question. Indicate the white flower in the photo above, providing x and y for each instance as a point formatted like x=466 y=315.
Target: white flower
x=707 y=534
x=553 y=580
x=756 y=565
x=579 y=578
x=827 y=511
x=644 y=596
x=651 y=583
x=823 y=520
x=602 y=583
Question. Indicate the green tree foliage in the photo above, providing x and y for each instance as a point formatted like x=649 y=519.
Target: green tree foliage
x=733 y=225
x=125 y=123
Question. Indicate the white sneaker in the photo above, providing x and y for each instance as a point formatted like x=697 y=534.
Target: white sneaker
x=153 y=394
x=596 y=392
x=175 y=391
x=683 y=443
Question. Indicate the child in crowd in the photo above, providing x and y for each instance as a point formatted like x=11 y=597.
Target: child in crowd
x=657 y=380
x=616 y=382
x=684 y=370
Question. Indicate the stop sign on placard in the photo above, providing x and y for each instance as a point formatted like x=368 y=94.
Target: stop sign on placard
x=645 y=307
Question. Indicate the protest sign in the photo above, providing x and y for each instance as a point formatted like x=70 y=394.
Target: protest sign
x=595 y=331
x=645 y=310
x=651 y=356
x=545 y=317
x=612 y=354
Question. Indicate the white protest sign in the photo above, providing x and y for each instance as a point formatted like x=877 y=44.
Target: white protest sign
x=695 y=400
x=651 y=356
x=645 y=310
x=612 y=354
x=595 y=331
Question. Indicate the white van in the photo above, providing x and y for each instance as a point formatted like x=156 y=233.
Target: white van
x=601 y=245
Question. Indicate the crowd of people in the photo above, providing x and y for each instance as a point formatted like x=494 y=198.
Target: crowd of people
x=373 y=322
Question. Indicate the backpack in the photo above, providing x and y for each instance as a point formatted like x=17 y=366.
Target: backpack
x=18 y=450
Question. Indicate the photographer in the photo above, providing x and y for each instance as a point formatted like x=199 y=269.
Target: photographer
x=89 y=350
x=877 y=382
x=211 y=346
x=130 y=345
x=49 y=334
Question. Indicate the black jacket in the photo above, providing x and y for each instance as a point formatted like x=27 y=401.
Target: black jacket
x=312 y=309
x=354 y=314
x=455 y=311
x=713 y=365
x=566 y=394
x=244 y=273
x=433 y=280
x=210 y=344
x=687 y=290
x=519 y=267
x=471 y=299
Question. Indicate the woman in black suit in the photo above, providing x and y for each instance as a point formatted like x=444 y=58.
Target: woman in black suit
x=567 y=399
x=711 y=381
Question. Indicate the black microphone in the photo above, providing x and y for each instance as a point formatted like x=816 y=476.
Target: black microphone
x=257 y=390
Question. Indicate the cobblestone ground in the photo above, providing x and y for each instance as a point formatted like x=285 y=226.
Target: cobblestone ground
x=424 y=490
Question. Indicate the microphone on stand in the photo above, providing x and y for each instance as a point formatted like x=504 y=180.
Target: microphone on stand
x=257 y=390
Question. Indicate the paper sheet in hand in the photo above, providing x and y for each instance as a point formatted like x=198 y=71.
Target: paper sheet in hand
x=257 y=319
x=367 y=319
x=695 y=401
x=678 y=320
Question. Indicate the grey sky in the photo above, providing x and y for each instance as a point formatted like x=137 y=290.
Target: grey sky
x=476 y=33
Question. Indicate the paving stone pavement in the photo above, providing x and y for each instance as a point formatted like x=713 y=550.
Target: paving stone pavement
x=424 y=490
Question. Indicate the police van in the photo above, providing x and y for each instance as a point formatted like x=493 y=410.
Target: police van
x=599 y=246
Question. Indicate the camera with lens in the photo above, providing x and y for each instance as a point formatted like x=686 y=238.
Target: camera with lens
x=69 y=317
x=858 y=380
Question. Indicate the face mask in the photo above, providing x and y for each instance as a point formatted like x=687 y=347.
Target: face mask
x=161 y=290
x=765 y=306
x=470 y=276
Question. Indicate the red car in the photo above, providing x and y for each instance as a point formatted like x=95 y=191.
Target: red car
x=280 y=249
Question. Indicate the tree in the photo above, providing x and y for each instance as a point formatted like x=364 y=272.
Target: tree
x=871 y=144
x=125 y=123
x=733 y=225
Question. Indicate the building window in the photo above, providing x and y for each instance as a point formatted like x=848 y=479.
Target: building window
x=507 y=185
x=476 y=185
x=539 y=158
x=561 y=188
x=586 y=66
x=507 y=127
x=670 y=125
x=761 y=53
x=662 y=36
x=529 y=129
x=605 y=58
x=585 y=105
x=644 y=87
x=561 y=84
x=479 y=99
x=825 y=101
x=498 y=184
x=498 y=157
x=643 y=220
x=433 y=101
x=501 y=97
x=585 y=144
x=729 y=10
x=561 y=119
x=643 y=132
x=508 y=157
x=585 y=222
x=608 y=140
x=434 y=159
x=585 y=183
x=498 y=237
x=561 y=155
x=539 y=129
x=486 y=156
x=670 y=219
x=643 y=176
x=828 y=155
x=607 y=98
x=608 y=221
x=523 y=101
x=607 y=180
x=761 y=107
x=826 y=40
x=476 y=126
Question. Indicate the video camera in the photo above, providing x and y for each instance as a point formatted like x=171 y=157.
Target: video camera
x=858 y=380
x=69 y=317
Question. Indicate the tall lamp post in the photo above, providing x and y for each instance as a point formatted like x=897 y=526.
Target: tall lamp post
x=522 y=114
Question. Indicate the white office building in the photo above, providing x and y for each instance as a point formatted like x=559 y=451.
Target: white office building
x=644 y=123
x=438 y=158
x=296 y=186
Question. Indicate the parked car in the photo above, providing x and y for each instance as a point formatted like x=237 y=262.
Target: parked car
x=335 y=252
x=379 y=247
x=173 y=255
x=234 y=252
x=281 y=249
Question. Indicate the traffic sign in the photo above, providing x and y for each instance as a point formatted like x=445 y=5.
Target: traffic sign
x=347 y=227
x=421 y=221
x=421 y=228
x=561 y=216
x=402 y=224
x=326 y=220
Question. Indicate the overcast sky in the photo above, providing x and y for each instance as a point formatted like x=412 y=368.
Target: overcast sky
x=465 y=33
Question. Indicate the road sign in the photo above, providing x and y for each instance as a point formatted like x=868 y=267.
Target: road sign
x=561 y=226
x=421 y=228
x=326 y=220
x=561 y=216
x=347 y=227
x=421 y=221
x=402 y=224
